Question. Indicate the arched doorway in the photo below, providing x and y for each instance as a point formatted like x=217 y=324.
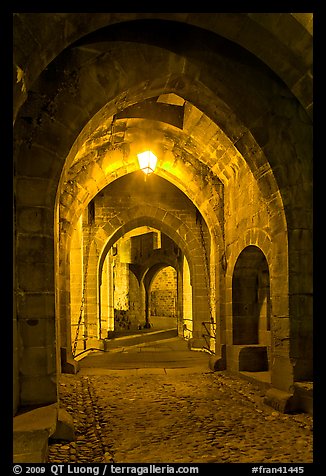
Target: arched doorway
x=251 y=310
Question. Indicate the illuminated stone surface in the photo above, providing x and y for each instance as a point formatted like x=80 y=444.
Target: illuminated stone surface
x=181 y=416
x=229 y=116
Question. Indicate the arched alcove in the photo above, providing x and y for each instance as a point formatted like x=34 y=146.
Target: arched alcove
x=251 y=309
x=250 y=297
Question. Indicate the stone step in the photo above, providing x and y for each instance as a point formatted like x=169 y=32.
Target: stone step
x=136 y=339
x=32 y=430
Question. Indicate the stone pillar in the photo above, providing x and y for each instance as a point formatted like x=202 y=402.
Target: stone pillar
x=35 y=304
x=104 y=298
x=264 y=303
x=134 y=301
x=180 y=300
x=187 y=301
x=218 y=360
x=301 y=302
x=15 y=364
x=121 y=291
x=142 y=294
x=91 y=295
x=111 y=294
x=201 y=309
x=76 y=285
x=281 y=366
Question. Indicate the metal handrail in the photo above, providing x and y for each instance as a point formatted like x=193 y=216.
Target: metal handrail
x=204 y=323
x=208 y=334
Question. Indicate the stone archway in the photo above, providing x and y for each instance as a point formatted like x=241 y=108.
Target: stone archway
x=191 y=252
x=105 y=234
x=268 y=127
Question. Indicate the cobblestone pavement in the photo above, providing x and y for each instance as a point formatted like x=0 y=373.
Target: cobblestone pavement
x=182 y=416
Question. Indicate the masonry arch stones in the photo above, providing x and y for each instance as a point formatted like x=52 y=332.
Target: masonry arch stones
x=261 y=101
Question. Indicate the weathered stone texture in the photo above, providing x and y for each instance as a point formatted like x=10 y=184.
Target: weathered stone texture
x=240 y=165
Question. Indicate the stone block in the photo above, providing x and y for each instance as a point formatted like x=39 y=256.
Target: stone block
x=280 y=306
x=282 y=372
x=281 y=328
x=196 y=343
x=303 y=367
x=38 y=305
x=37 y=361
x=303 y=392
x=70 y=111
x=302 y=307
x=29 y=167
x=68 y=364
x=34 y=219
x=36 y=332
x=43 y=418
x=38 y=390
x=36 y=278
x=302 y=337
x=56 y=138
x=31 y=431
x=65 y=426
x=35 y=249
x=216 y=362
x=281 y=346
x=15 y=369
x=253 y=359
x=30 y=447
x=282 y=401
x=301 y=283
x=33 y=192
x=300 y=217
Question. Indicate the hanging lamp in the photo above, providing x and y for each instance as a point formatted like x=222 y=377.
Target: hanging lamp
x=147 y=161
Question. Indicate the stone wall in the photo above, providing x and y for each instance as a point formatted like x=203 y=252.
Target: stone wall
x=164 y=293
x=250 y=96
x=129 y=196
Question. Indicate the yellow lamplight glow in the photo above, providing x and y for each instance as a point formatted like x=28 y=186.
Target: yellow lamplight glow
x=147 y=161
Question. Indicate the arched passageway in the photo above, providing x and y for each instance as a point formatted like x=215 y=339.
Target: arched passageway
x=224 y=101
x=116 y=249
x=251 y=297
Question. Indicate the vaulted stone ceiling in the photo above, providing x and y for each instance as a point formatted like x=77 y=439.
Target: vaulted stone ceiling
x=93 y=68
x=281 y=40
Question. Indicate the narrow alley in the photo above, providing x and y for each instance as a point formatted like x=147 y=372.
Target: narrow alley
x=158 y=402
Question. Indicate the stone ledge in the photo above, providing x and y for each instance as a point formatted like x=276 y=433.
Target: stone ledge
x=283 y=402
x=65 y=426
x=68 y=364
x=301 y=400
x=217 y=363
x=32 y=430
x=303 y=392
